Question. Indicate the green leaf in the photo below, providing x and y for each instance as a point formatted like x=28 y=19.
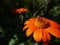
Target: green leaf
x=57 y=40
x=12 y=42
x=1 y=33
x=21 y=44
x=33 y=44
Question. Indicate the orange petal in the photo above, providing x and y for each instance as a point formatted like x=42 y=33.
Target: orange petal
x=27 y=22
x=45 y=43
x=18 y=11
x=31 y=26
x=21 y=10
x=25 y=27
x=46 y=37
x=29 y=32
x=52 y=23
x=54 y=32
x=37 y=35
x=30 y=21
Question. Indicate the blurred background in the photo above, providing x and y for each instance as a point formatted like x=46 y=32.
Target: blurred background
x=11 y=23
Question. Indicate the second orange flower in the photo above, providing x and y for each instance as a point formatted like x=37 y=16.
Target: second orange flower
x=21 y=10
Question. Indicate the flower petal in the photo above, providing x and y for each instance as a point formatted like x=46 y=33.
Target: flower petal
x=29 y=31
x=54 y=32
x=30 y=21
x=52 y=23
x=37 y=35
x=21 y=10
x=45 y=43
x=46 y=37
x=25 y=27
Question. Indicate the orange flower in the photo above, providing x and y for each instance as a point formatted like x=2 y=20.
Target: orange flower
x=21 y=10
x=41 y=28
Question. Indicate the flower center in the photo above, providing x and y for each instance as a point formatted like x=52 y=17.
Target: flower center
x=41 y=23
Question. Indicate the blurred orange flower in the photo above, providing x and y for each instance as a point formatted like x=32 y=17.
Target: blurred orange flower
x=21 y=10
x=42 y=28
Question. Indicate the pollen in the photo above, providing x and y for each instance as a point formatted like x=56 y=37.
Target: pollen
x=41 y=23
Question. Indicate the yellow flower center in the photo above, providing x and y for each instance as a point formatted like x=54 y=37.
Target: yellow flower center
x=41 y=23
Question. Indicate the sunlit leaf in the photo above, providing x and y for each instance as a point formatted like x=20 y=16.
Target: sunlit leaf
x=12 y=42
x=1 y=33
x=21 y=44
